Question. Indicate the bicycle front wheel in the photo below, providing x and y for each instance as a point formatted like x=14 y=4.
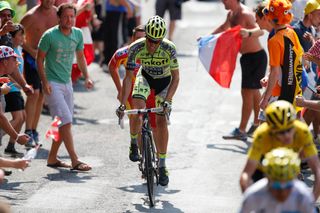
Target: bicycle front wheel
x=149 y=170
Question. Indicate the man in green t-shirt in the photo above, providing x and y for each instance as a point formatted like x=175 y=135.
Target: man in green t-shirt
x=57 y=47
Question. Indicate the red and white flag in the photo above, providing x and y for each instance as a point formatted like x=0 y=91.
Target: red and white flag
x=82 y=21
x=218 y=54
x=53 y=131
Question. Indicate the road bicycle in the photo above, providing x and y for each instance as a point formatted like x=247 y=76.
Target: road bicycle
x=149 y=161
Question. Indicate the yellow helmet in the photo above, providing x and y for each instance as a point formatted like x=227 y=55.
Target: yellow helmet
x=156 y=28
x=281 y=164
x=280 y=115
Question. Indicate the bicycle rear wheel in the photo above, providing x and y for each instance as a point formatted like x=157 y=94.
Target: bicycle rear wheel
x=149 y=170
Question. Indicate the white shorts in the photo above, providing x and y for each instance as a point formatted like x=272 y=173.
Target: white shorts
x=60 y=101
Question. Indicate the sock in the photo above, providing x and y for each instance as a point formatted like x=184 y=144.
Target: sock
x=134 y=139
x=162 y=160
x=10 y=146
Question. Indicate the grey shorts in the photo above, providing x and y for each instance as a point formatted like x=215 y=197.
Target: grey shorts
x=163 y=5
x=60 y=101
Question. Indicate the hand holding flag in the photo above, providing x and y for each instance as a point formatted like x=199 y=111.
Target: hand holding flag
x=218 y=54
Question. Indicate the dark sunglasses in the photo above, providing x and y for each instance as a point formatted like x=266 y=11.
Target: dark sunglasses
x=283 y=132
x=281 y=186
x=153 y=41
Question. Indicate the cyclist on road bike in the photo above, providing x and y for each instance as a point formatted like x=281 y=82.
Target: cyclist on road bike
x=282 y=129
x=119 y=58
x=280 y=191
x=159 y=71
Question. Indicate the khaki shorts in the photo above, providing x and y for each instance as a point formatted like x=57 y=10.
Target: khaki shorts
x=60 y=101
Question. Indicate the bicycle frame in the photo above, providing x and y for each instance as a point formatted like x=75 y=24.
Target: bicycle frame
x=148 y=164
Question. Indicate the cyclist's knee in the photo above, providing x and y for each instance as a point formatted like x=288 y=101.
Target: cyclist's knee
x=138 y=103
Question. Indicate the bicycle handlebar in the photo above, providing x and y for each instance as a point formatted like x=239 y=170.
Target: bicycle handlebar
x=142 y=111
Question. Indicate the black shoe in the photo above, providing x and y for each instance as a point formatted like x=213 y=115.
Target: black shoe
x=163 y=176
x=12 y=151
x=134 y=153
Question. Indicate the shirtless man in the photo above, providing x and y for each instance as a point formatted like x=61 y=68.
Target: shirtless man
x=59 y=2
x=34 y=28
x=253 y=63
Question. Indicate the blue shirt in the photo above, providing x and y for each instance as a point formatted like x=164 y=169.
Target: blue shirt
x=300 y=29
x=110 y=7
x=18 y=51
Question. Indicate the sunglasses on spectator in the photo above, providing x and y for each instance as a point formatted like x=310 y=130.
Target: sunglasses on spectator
x=283 y=132
x=281 y=186
x=153 y=41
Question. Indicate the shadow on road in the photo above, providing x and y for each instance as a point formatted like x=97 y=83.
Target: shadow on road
x=66 y=175
x=14 y=186
x=82 y=121
x=166 y=206
x=160 y=205
x=42 y=154
x=231 y=147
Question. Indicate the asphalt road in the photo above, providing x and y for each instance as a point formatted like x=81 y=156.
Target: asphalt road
x=204 y=168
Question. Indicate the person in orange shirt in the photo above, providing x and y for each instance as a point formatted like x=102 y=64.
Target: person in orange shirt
x=285 y=53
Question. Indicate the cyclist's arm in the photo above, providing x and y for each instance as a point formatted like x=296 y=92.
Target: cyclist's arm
x=113 y=69
x=126 y=86
x=245 y=177
x=173 y=85
x=314 y=164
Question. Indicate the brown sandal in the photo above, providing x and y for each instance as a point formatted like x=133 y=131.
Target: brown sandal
x=59 y=164
x=83 y=167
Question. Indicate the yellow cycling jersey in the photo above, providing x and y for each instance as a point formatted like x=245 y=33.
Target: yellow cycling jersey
x=159 y=64
x=264 y=141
